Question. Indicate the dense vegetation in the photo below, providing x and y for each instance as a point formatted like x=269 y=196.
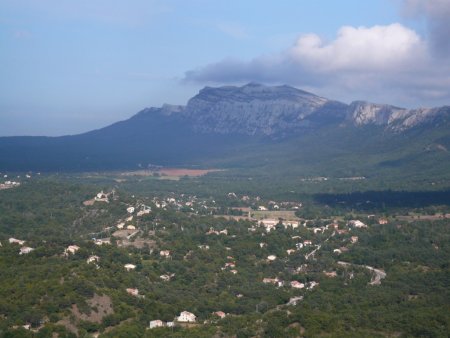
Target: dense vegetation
x=63 y=294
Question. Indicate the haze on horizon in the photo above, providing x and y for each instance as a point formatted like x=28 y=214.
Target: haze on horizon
x=69 y=67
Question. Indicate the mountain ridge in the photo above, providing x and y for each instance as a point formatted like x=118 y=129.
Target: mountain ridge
x=249 y=126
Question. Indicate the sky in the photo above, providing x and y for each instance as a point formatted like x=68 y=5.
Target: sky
x=69 y=66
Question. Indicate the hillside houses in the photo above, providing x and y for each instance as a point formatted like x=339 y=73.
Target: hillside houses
x=356 y=224
x=25 y=250
x=186 y=317
x=165 y=253
x=129 y=267
x=71 y=250
x=93 y=259
x=133 y=292
x=16 y=241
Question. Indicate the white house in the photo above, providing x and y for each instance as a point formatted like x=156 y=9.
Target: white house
x=129 y=267
x=292 y=224
x=156 y=323
x=101 y=241
x=269 y=223
x=93 y=259
x=271 y=258
x=220 y=314
x=16 y=241
x=356 y=224
x=297 y=285
x=130 y=210
x=71 y=249
x=25 y=250
x=164 y=253
x=167 y=277
x=133 y=292
x=186 y=317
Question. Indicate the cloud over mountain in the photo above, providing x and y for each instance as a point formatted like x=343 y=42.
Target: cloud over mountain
x=361 y=60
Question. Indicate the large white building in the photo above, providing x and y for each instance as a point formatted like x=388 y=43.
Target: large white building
x=186 y=317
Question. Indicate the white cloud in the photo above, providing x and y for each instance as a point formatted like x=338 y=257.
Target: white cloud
x=364 y=49
x=390 y=64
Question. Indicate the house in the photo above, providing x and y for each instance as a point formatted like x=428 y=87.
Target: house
x=130 y=210
x=307 y=242
x=229 y=265
x=382 y=221
x=101 y=241
x=270 y=280
x=290 y=251
x=156 y=323
x=129 y=267
x=269 y=223
x=164 y=253
x=297 y=285
x=292 y=224
x=262 y=208
x=203 y=247
x=223 y=232
x=101 y=197
x=331 y=274
x=92 y=259
x=294 y=300
x=25 y=250
x=356 y=224
x=299 y=246
x=133 y=292
x=274 y=281
x=71 y=249
x=129 y=219
x=262 y=245
x=337 y=251
x=131 y=227
x=142 y=213
x=211 y=231
x=166 y=277
x=186 y=317
x=312 y=285
x=234 y=271
x=120 y=225
x=342 y=231
x=271 y=258
x=16 y=241
x=354 y=239
x=220 y=314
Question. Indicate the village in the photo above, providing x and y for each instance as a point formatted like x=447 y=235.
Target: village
x=190 y=262
x=140 y=229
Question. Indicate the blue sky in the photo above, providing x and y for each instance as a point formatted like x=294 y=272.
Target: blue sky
x=71 y=66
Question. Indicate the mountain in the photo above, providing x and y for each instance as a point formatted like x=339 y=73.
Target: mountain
x=280 y=128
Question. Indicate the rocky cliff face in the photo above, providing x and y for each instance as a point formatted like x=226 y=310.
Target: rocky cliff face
x=251 y=109
x=255 y=109
x=393 y=118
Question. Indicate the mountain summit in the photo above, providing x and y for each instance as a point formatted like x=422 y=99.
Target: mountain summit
x=237 y=126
